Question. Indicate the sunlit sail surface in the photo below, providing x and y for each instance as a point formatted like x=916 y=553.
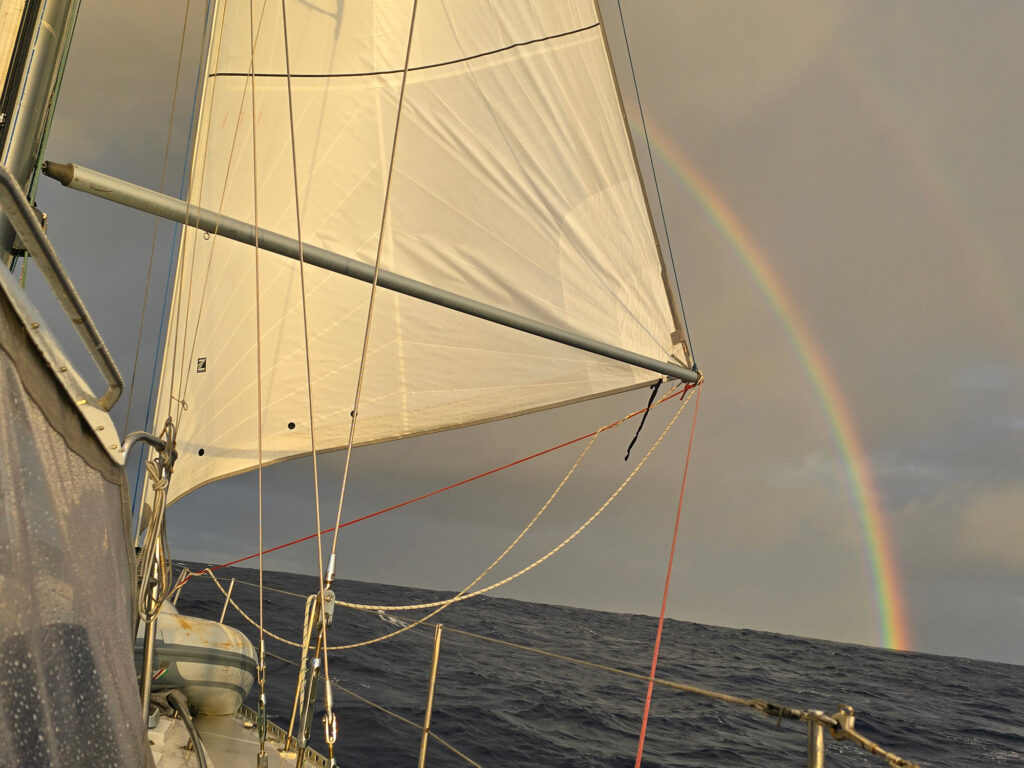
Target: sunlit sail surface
x=513 y=182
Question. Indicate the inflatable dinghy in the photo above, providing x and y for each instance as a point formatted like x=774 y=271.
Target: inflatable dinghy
x=214 y=665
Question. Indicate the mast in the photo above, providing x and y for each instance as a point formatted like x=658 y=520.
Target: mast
x=30 y=91
x=17 y=22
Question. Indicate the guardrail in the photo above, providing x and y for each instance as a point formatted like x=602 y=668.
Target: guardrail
x=841 y=725
x=22 y=217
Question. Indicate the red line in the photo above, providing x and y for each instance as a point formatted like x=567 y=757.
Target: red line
x=456 y=485
x=664 y=597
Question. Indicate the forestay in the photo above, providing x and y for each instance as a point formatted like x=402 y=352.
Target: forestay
x=513 y=182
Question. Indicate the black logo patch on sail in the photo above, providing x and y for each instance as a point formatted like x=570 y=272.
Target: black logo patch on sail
x=201 y=365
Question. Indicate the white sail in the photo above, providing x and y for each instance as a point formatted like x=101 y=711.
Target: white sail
x=513 y=182
x=11 y=13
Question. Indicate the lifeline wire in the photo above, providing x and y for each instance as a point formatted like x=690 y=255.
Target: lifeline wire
x=388 y=712
x=840 y=725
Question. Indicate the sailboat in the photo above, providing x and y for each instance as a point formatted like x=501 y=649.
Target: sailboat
x=400 y=218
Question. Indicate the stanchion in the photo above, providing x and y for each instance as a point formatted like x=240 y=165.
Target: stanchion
x=227 y=602
x=815 y=742
x=430 y=696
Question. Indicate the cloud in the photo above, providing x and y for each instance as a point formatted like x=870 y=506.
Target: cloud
x=757 y=49
x=978 y=532
x=990 y=533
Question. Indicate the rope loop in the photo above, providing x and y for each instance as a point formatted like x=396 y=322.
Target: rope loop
x=468 y=592
x=467 y=595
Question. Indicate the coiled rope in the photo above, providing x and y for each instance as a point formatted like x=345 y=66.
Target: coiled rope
x=154 y=566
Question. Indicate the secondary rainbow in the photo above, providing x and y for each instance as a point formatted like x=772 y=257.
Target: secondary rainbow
x=892 y=619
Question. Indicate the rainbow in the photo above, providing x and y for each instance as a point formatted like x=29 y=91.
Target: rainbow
x=893 y=629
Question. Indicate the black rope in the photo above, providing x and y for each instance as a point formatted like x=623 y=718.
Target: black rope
x=647 y=410
x=174 y=700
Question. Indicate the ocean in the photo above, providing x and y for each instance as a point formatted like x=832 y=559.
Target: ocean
x=502 y=706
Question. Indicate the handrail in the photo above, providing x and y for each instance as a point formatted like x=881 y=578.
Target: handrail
x=19 y=213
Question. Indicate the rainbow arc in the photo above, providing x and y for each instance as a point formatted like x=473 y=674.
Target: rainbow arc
x=892 y=623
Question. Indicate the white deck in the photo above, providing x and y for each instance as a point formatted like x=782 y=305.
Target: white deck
x=230 y=741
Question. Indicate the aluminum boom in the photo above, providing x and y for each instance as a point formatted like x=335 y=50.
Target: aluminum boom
x=140 y=198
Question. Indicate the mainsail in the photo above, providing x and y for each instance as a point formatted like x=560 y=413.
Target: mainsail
x=513 y=182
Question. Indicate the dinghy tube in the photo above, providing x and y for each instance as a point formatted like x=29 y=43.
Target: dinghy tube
x=213 y=664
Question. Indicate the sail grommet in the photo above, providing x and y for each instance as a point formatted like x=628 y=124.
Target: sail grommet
x=202 y=451
x=291 y=425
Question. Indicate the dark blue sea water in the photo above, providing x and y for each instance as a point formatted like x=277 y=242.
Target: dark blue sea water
x=505 y=707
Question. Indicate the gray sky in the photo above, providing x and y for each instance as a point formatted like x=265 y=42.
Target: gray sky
x=871 y=154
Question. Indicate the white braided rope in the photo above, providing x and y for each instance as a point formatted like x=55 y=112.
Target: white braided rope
x=244 y=615
x=565 y=479
x=464 y=594
x=490 y=567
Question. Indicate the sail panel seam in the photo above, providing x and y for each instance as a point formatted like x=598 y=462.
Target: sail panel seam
x=420 y=68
